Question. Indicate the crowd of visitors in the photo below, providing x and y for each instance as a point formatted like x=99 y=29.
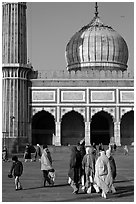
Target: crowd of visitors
x=90 y=168
x=94 y=169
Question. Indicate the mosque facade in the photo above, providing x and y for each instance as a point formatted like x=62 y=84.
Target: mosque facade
x=92 y=99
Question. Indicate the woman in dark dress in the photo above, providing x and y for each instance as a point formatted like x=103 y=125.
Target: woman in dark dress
x=75 y=166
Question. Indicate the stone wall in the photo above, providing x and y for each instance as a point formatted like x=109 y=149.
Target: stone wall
x=40 y=82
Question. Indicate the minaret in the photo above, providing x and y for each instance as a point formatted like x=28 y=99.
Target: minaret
x=14 y=47
x=16 y=75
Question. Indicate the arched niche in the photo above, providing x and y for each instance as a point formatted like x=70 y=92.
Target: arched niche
x=102 y=128
x=127 y=128
x=72 y=128
x=43 y=128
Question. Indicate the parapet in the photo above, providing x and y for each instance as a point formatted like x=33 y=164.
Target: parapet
x=91 y=74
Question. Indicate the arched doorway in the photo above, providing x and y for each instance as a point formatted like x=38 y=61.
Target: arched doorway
x=72 y=128
x=43 y=128
x=127 y=128
x=101 y=128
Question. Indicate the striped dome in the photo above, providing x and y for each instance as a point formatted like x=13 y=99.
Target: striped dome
x=96 y=46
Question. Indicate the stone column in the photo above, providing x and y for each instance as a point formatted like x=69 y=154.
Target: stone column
x=58 y=124
x=117 y=133
x=57 y=138
x=117 y=124
x=87 y=128
x=87 y=133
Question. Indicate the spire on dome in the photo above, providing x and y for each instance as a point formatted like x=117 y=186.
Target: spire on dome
x=96 y=10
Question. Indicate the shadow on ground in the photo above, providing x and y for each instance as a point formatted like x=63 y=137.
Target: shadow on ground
x=121 y=192
x=58 y=185
x=123 y=181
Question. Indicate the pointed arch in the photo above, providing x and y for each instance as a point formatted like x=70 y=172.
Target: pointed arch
x=72 y=128
x=43 y=128
x=127 y=128
x=102 y=128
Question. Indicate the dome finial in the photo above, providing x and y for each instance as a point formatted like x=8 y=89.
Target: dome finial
x=96 y=9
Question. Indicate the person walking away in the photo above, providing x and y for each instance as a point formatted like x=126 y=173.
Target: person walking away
x=88 y=163
x=46 y=164
x=81 y=149
x=17 y=170
x=94 y=149
x=38 y=153
x=4 y=154
x=125 y=150
x=112 y=164
x=115 y=147
x=75 y=165
x=113 y=168
x=27 y=154
x=103 y=176
x=100 y=147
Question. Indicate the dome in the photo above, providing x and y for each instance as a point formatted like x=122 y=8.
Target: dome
x=96 y=46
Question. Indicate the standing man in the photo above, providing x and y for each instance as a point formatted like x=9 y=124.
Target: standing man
x=75 y=165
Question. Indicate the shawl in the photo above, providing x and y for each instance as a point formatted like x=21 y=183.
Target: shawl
x=103 y=176
x=45 y=161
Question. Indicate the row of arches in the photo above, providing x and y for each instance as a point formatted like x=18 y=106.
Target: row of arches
x=73 y=128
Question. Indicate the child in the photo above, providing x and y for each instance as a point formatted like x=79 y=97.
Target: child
x=51 y=175
x=17 y=169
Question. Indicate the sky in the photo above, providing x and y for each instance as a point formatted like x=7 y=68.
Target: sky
x=50 y=26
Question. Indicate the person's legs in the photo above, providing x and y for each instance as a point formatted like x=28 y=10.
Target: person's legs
x=104 y=194
x=17 y=183
x=73 y=185
x=46 y=178
x=90 y=185
x=113 y=189
x=96 y=188
x=87 y=183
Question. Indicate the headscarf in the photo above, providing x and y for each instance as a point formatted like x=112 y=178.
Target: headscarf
x=45 y=161
x=108 y=153
x=102 y=153
x=87 y=150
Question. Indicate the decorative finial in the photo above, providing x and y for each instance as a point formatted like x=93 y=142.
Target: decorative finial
x=96 y=9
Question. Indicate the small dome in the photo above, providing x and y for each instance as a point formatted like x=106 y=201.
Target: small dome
x=96 y=46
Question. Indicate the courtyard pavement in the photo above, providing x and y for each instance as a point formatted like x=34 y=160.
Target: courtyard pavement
x=33 y=190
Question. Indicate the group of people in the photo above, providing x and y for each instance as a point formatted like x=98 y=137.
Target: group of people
x=46 y=166
x=92 y=170
x=29 y=149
